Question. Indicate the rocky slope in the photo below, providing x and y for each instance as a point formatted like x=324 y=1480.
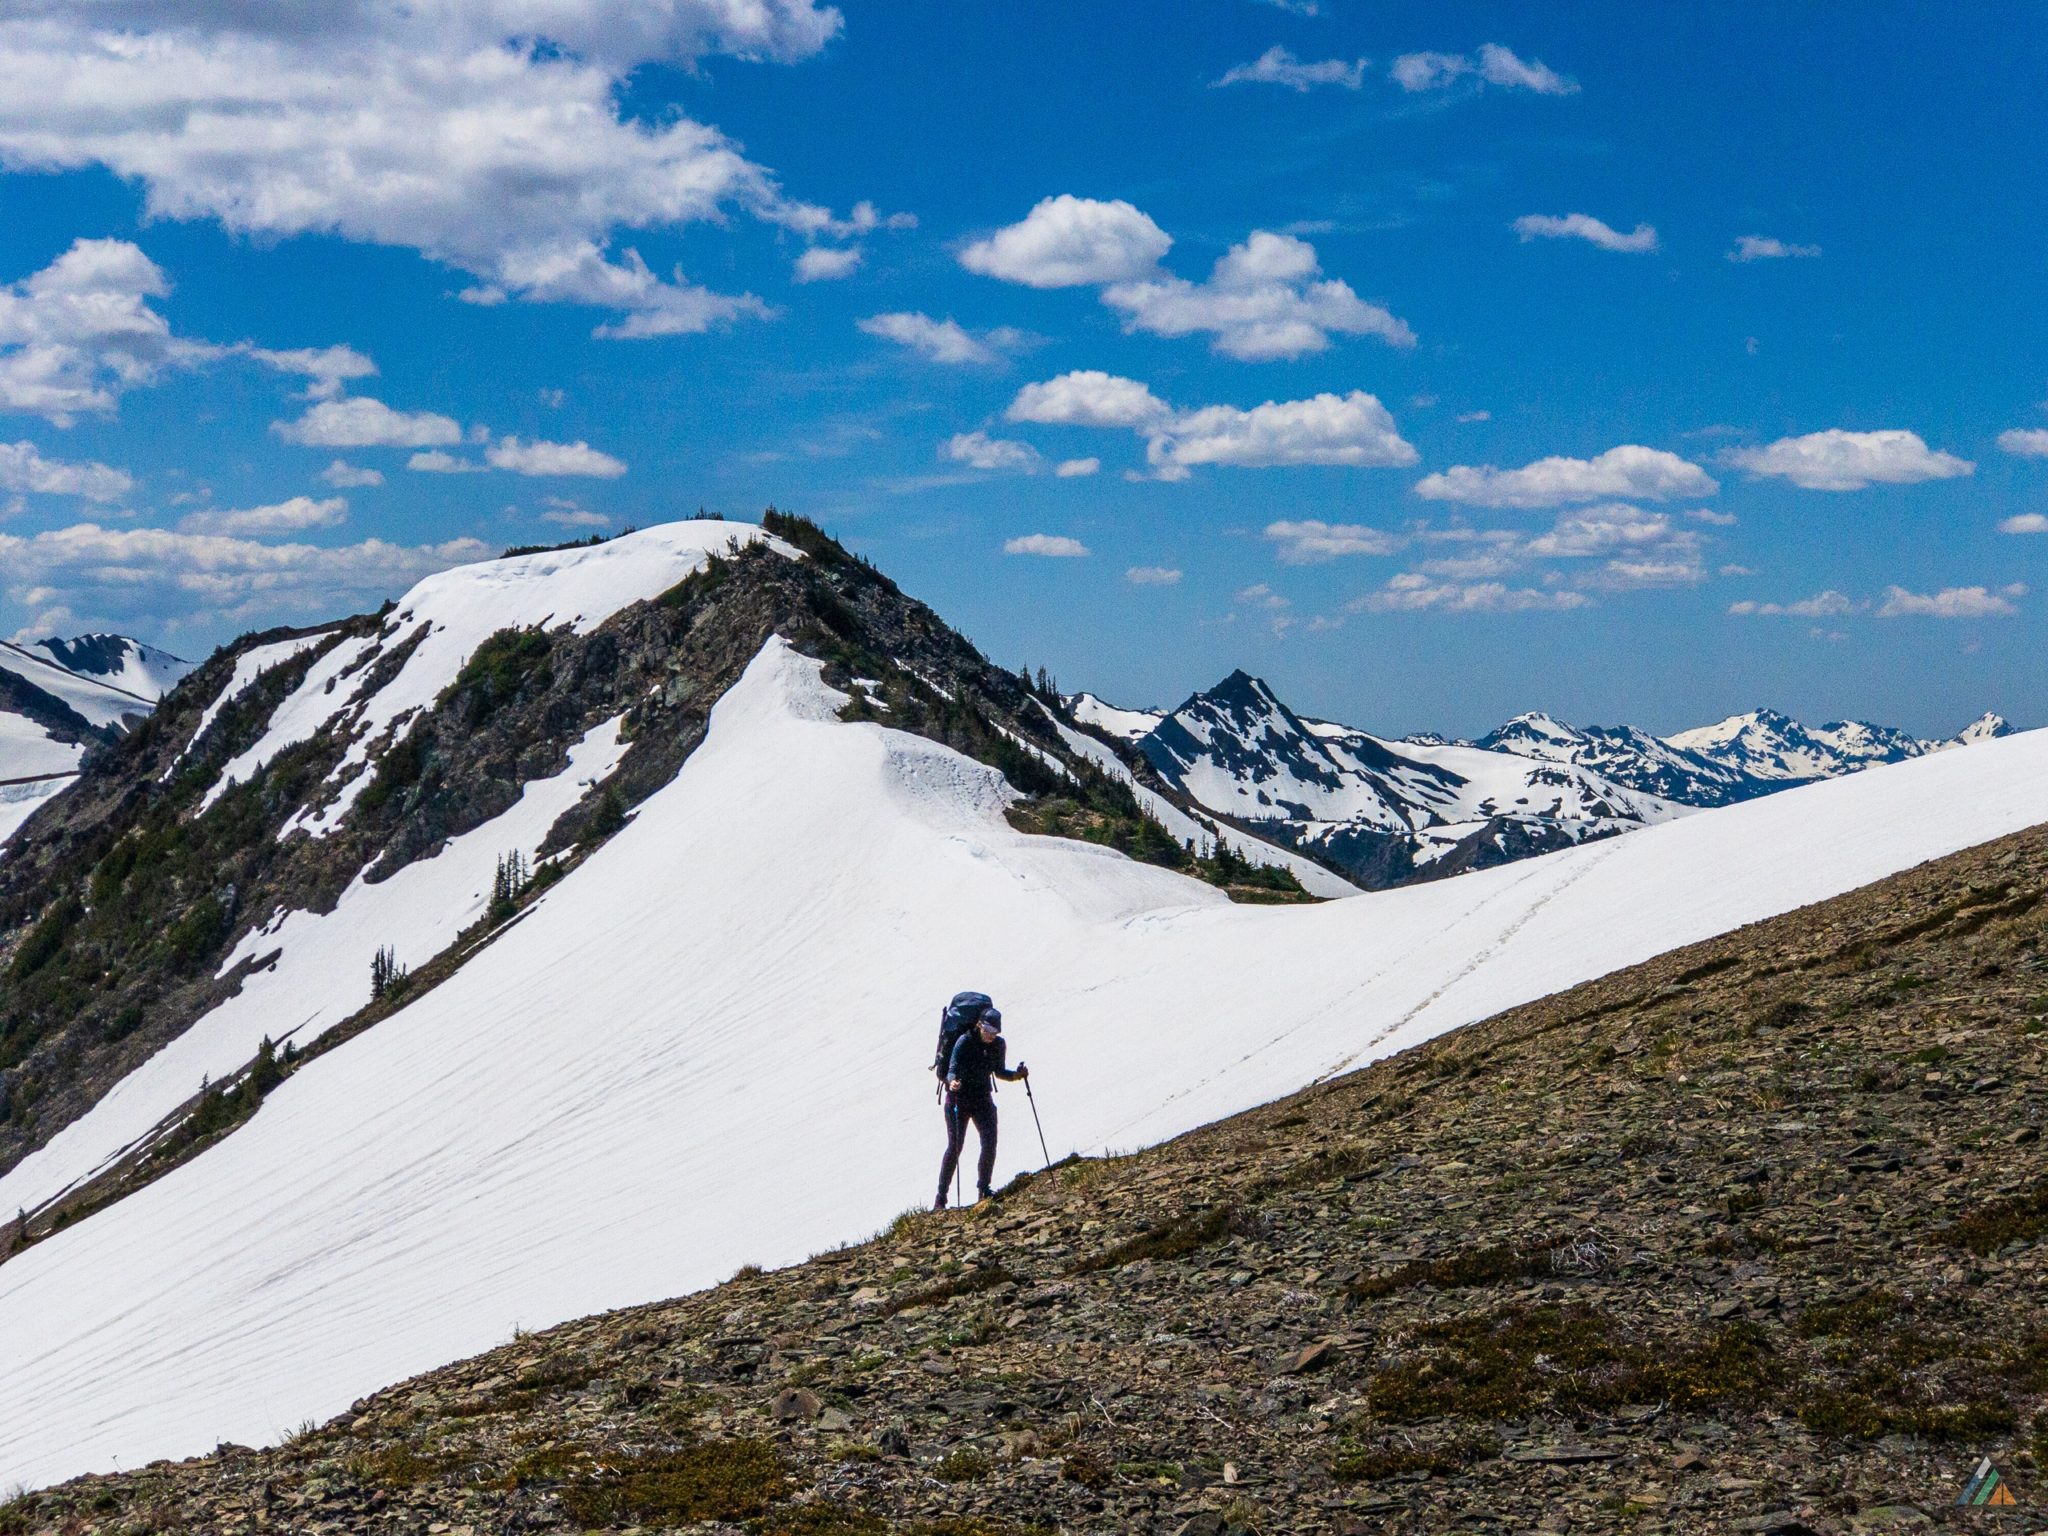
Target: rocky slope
x=1748 y=1238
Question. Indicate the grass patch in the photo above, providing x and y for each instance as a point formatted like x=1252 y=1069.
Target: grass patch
x=718 y=1480
x=1368 y=1461
x=972 y=1283
x=2016 y=1219
x=1466 y=1267
x=1181 y=1236
x=966 y=1465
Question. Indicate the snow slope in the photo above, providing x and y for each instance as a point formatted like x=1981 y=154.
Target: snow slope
x=706 y=1047
x=126 y=690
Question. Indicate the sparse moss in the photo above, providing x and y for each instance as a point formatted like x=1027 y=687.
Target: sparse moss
x=717 y=1480
x=2016 y=1219
x=966 y=1465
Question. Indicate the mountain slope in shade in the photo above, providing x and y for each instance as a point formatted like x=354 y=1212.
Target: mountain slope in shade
x=591 y=1112
x=57 y=697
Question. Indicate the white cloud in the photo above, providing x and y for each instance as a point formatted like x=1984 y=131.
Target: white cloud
x=1352 y=429
x=1259 y=595
x=1264 y=299
x=24 y=471
x=1466 y=418
x=435 y=461
x=80 y=332
x=1767 y=248
x=1631 y=471
x=1068 y=242
x=566 y=514
x=826 y=264
x=1590 y=532
x=1075 y=469
x=1297 y=7
x=343 y=475
x=1494 y=65
x=1277 y=66
x=542 y=458
x=1581 y=226
x=1952 y=603
x=327 y=370
x=488 y=136
x=2027 y=442
x=158 y=576
x=1413 y=592
x=362 y=422
x=1836 y=460
x=1057 y=546
x=1088 y=398
x=2024 y=522
x=1152 y=576
x=942 y=341
x=1311 y=541
x=978 y=450
x=297 y=515
x=1822 y=605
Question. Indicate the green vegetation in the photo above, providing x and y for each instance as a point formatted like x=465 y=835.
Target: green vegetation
x=508 y=664
x=1180 y=1236
x=2016 y=1219
x=717 y=1480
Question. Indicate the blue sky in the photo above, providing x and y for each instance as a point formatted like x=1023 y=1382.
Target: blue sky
x=1408 y=342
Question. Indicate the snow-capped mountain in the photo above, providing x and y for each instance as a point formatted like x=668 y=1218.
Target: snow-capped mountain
x=1769 y=749
x=59 y=696
x=1382 y=811
x=772 y=808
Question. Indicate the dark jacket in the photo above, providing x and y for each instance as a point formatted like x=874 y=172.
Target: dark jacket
x=973 y=1064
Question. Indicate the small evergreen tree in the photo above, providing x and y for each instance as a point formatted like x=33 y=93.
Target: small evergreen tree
x=387 y=976
x=20 y=1228
x=266 y=1074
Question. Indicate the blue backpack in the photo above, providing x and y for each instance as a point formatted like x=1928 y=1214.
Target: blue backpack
x=955 y=1019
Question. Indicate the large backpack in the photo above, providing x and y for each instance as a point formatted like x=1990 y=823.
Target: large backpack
x=955 y=1019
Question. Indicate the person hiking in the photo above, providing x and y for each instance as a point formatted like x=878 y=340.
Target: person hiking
x=979 y=1056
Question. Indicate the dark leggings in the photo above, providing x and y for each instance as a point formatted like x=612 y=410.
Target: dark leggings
x=983 y=1114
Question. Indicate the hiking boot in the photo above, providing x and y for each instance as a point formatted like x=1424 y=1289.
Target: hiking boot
x=940 y=1203
x=982 y=1192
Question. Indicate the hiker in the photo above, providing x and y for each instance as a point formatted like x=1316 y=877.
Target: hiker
x=978 y=1058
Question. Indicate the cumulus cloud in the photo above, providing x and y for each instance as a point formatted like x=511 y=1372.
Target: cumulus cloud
x=2027 y=442
x=78 y=334
x=567 y=514
x=1152 y=576
x=360 y=421
x=299 y=514
x=24 y=471
x=1493 y=65
x=1952 y=603
x=1353 y=429
x=1264 y=299
x=488 y=136
x=1069 y=242
x=1277 y=66
x=977 y=450
x=1311 y=541
x=827 y=264
x=1629 y=471
x=1767 y=248
x=1822 y=605
x=1836 y=460
x=942 y=341
x=159 y=576
x=1088 y=397
x=1582 y=226
x=343 y=475
x=2024 y=522
x=1055 y=545
x=436 y=461
x=1414 y=592
x=1075 y=469
x=542 y=458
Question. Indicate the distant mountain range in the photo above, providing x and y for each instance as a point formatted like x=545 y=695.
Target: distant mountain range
x=1386 y=811
x=57 y=697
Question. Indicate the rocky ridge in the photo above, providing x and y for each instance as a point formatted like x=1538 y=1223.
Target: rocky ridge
x=1748 y=1238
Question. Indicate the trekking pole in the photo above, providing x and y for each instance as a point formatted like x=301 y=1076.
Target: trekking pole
x=1032 y=1099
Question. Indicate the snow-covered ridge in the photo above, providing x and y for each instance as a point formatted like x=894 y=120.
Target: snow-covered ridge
x=596 y=1110
x=440 y=624
x=106 y=681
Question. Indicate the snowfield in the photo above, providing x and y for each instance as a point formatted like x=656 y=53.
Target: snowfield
x=707 y=1047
